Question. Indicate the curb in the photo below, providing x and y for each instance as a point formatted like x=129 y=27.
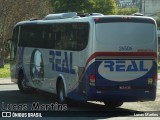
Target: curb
x=6 y=81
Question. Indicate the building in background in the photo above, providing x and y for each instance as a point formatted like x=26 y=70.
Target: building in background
x=146 y=7
x=150 y=7
x=127 y=3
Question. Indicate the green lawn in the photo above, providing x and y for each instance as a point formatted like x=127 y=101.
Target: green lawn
x=5 y=72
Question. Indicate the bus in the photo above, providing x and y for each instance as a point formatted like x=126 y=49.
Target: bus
x=158 y=34
x=87 y=57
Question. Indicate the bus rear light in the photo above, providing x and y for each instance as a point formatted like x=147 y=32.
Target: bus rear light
x=97 y=19
x=155 y=77
x=92 y=79
x=125 y=18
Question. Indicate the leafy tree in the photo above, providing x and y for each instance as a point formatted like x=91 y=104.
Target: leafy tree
x=70 y=5
x=105 y=7
x=158 y=19
x=88 y=6
x=158 y=23
x=127 y=11
x=13 y=11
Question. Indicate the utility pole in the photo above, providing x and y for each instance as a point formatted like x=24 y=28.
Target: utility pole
x=144 y=7
x=140 y=6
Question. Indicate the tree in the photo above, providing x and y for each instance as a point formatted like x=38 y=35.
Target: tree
x=4 y=6
x=70 y=5
x=13 y=11
x=127 y=11
x=106 y=7
x=85 y=6
x=157 y=18
x=158 y=23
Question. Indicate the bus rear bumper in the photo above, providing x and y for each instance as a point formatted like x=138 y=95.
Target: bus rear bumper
x=122 y=95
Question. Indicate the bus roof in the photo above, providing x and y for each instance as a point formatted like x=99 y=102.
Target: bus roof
x=74 y=17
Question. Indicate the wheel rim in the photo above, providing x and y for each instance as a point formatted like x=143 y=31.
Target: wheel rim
x=61 y=95
x=24 y=84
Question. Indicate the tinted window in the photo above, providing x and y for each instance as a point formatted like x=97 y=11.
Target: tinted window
x=14 y=43
x=65 y=36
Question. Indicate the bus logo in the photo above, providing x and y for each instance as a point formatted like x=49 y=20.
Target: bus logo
x=61 y=61
x=124 y=70
x=121 y=66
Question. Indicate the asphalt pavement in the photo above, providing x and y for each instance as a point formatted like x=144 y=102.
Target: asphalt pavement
x=7 y=81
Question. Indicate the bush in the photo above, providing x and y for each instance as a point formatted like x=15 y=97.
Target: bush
x=127 y=11
x=158 y=23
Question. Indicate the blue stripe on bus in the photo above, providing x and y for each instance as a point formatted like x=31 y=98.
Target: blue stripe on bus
x=120 y=95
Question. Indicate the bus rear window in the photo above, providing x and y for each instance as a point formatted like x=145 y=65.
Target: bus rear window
x=125 y=32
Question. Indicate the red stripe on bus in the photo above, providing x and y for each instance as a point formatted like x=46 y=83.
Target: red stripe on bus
x=122 y=54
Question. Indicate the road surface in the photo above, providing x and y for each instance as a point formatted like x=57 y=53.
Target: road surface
x=9 y=95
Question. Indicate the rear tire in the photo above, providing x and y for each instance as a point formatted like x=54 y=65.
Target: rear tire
x=23 y=86
x=113 y=104
x=61 y=93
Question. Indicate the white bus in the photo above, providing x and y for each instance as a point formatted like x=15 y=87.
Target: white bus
x=112 y=59
x=158 y=34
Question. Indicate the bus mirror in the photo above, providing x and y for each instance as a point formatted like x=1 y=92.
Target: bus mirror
x=8 y=44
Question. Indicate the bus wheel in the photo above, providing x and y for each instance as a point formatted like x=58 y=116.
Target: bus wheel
x=23 y=86
x=113 y=104
x=61 y=93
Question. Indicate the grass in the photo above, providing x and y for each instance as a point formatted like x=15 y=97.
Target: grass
x=5 y=72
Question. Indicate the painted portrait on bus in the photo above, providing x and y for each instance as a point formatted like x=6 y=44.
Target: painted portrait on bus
x=37 y=66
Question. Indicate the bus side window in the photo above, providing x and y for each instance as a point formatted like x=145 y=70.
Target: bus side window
x=70 y=39
x=49 y=40
x=58 y=40
x=73 y=41
x=82 y=35
x=158 y=49
x=39 y=37
x=14 y=43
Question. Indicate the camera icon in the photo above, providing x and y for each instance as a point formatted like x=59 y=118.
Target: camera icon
x=6 y=114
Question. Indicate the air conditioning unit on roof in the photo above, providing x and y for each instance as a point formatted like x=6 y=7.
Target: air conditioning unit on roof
x=60 y=16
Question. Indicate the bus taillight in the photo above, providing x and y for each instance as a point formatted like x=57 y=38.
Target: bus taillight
x=155 y=77
x=92 y=79
x=97 y=19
